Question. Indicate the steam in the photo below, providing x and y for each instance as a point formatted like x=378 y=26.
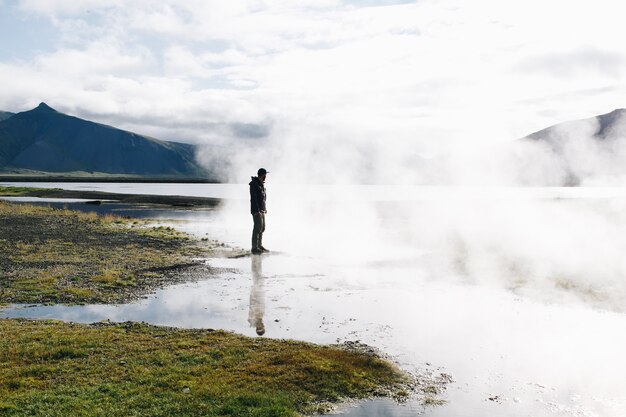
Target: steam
x=554 y=250
x=592 y=151
x=482 y=228
x=584 y=152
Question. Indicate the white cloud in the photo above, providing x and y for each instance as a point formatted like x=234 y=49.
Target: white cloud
x=425 y=77
x=99 y=58
x=66 y=7
x=609 y=64
x=180 y=60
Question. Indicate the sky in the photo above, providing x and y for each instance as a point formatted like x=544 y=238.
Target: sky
x=422 y=78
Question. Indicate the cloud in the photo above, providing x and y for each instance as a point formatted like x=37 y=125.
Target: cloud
x=59 y=8
x=409 y=81
x=578 y=62
x=99 y=58
x=376 y=3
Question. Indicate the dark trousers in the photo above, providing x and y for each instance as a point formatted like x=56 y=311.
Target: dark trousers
x=257 y=231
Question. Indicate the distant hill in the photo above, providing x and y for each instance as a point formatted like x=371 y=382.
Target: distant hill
x=592 y=148
x=45 y=140
x=5 y=115
x=606 y=126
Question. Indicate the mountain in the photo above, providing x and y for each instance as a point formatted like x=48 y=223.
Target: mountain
x=46 y=140
x=606 y=126
x=585 y=151
x=5 y=115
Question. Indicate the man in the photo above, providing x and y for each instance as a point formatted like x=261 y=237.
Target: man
x=257 y=208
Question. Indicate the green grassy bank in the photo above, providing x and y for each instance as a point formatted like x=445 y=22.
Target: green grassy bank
x=18 y=191
x=59 y=369
x=63 y=256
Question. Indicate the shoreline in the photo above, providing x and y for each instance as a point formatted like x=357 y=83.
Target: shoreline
x=43 y=178
x=134 y=368
x=55 y=256
x=97 y=197
x=41 y=359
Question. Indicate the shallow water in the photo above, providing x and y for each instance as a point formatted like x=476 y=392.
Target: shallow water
x=514 y=348
x=534 y=357
x=382 y=408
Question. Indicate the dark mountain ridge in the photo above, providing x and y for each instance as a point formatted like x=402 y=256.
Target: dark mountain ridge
x=583 y=151
x=606 y=125
x=46 y=140
x=5 y=115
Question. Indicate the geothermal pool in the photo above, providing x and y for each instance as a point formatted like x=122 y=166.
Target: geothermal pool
x=518 y=294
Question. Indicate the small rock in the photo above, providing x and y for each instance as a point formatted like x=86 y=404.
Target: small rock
x=186 y=390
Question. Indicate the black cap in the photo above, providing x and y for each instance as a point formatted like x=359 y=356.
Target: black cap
x=262 y=171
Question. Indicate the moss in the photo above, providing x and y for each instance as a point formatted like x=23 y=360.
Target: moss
x=57 y=369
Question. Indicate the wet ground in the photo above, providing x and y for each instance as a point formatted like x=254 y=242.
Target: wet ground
x=509 y=354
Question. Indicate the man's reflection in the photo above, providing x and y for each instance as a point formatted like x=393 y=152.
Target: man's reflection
x=257 y=296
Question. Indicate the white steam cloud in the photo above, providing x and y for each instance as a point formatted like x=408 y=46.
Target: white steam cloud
x=482 y=228
x=556 y=245
x=584 y=152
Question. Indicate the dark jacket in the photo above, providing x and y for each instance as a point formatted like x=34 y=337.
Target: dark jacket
x=257 y=196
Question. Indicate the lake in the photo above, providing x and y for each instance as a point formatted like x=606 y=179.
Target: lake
x=518 y=293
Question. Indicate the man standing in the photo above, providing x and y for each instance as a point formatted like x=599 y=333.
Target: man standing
x=257 y=208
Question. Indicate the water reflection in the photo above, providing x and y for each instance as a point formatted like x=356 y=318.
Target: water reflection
x=383 y=408
x=257 y=296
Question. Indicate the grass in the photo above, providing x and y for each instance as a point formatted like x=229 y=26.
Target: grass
x=17 y=191
x=63 y=256
x=58 y=369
